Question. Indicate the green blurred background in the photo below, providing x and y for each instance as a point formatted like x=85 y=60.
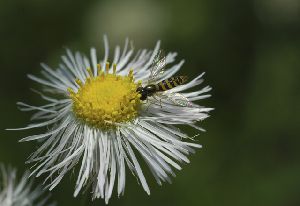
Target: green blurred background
x=250 y=51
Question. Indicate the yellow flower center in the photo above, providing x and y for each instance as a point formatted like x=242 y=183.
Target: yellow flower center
x=105 y=100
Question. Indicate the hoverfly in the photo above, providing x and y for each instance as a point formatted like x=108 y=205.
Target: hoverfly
x=159 y=88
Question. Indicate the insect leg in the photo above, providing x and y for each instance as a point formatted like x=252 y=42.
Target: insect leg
x=147 y=102
x=158 y=100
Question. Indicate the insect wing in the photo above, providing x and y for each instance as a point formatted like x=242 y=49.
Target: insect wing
x=177 y=99
x=157 y=67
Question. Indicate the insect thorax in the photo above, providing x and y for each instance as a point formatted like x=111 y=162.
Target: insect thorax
x=146 y=91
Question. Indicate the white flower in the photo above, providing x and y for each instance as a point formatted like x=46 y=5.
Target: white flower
x=19 y=193
x=95 y=117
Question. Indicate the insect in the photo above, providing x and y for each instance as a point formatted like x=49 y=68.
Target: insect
x=158 y=88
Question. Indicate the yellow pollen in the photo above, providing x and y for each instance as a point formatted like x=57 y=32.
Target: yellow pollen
x=105 y=100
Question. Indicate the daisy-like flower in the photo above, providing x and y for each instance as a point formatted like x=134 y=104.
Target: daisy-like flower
x=21 y=192
x=96 y=117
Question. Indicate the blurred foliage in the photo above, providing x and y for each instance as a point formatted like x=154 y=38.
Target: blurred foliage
x=250 y=51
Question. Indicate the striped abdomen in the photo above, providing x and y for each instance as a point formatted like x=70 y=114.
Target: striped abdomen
x=170 y=83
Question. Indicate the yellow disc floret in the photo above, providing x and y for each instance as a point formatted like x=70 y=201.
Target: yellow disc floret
x=105 y=100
